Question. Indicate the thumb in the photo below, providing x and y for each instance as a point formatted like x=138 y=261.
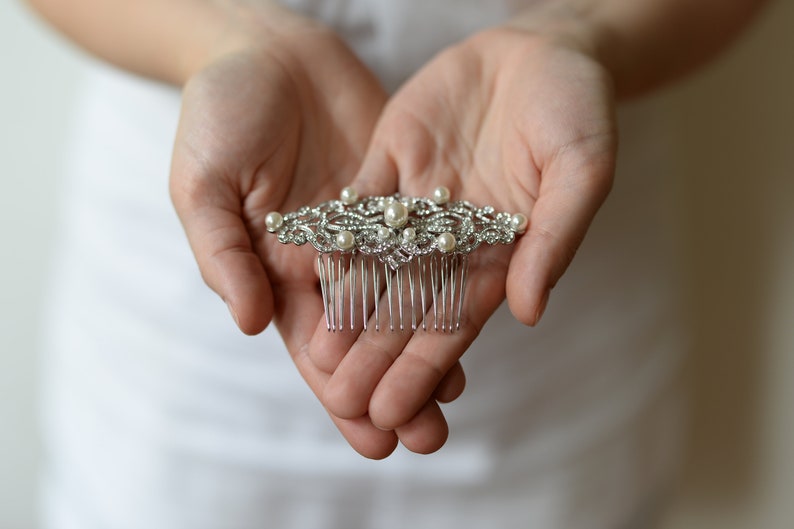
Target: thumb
x=210 y=212
x=573 y=188
x=378 y=175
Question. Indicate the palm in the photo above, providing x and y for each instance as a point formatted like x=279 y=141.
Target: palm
x=503 y=119
x=491 y=131
x=265 y=139
x=532 y=127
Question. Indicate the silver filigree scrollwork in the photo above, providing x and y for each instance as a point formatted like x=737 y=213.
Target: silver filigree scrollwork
x=419 y=236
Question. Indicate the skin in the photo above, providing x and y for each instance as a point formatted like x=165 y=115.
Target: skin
x=553 y=161
x=277 y=113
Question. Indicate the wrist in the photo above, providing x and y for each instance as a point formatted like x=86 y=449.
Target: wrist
x=570 y=25
x=242 y=27
x=641 y=44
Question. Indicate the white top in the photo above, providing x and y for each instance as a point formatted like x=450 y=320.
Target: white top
x=160 y=414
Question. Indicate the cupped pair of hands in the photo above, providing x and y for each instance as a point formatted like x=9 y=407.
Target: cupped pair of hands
x=507 y=118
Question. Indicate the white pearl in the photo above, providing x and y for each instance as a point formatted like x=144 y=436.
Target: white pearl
x=446 y=242
x=395 y=214
x=519 y=222
x=409 y=234
x=273 y=221
x=441 y=195
x=348 y=195
x=345 y=240
x=384 y=234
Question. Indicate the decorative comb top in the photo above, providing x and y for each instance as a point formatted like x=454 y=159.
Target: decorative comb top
x=396 y=229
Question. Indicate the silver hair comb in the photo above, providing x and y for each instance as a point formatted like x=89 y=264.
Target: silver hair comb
x=414 y=249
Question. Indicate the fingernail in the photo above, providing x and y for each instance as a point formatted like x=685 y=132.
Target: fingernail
x=233 y=313
x=542 y=307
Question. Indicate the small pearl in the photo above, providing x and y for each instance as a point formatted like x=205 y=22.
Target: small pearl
x=441 y=195
x=348 y=196
x=273 y=221
x=384 y=234
x=395 y=214
x=345 y=240
x=446 y=242
x=409 y=234
x=519 y=223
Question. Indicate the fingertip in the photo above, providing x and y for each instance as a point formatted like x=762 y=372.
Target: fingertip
x=452 y=385
x=378 y=174
x=427 y=432
x=528 y=309
x=528 y=279
x=253 y=321
x=327 y=349
x=388 y=411
x=378 y=449
x=251 y=310
x=365 y=439
x=337 y=398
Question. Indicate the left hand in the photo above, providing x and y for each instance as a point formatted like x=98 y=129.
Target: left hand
x=510 y=118
x=278 y=117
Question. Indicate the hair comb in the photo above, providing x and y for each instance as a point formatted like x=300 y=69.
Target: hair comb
x=413 y=249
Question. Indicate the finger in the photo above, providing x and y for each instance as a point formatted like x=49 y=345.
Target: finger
x=327 y=348
x=211 y=216
x=452 y=385
x=573 y=189
x=426 y=432
x=369 y=356
x=377 y=177
x=413 y=377
x=346 y=308
x=372 y=353
x=298 y=309
x=353 y=294
x=378 y=173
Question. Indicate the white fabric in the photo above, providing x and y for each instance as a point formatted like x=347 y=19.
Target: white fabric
x=159 y=414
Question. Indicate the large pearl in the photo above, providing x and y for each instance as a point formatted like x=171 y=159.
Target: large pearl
x=446 y=242
x=273 y=221
x=395 y=214
x=345 y=240
x=348 y=196
x=519 y=222
x=441 y=195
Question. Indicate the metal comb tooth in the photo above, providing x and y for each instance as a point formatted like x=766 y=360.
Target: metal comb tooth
x=394 y=260
x=398 y=295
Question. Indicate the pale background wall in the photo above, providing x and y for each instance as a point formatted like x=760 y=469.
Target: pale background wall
x=37 y=80
x=735 y=125
x=735 y=128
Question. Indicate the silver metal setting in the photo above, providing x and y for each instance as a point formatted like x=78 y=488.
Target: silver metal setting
x=409 y=270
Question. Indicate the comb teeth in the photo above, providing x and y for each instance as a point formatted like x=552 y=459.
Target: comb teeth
x=425 y=292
